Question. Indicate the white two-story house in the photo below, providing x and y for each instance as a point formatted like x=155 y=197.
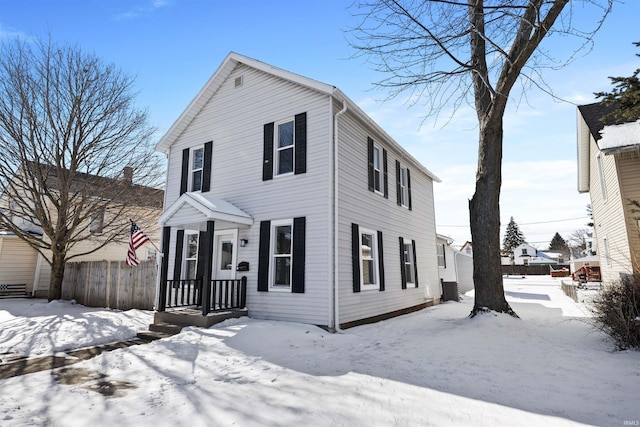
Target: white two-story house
x=284 y=185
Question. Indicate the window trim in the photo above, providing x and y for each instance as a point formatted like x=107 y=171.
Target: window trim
x=374 y=258
x=603 y=188
x=185 y=251
x=277 y=149
x=193 y=170
x=272 y=256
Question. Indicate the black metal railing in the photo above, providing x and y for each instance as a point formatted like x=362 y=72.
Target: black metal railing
x=223 y=294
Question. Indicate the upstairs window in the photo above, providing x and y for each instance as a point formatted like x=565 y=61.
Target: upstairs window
x=377 y=159
x=197 y=165
x=96 y=224
x=403 y=185
x=404 y=191
x=524 y=252
x=284 y=148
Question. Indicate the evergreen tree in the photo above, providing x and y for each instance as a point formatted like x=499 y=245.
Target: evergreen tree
x=558 y=244
x=626 y=94
x=513 y=237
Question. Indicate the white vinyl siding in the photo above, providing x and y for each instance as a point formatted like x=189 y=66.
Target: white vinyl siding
x=376 y=213
x=235 y=120
x=17 y=262
x=609 y=214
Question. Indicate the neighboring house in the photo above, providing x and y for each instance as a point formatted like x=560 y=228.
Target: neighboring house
x=453 y=265
x=285 y=181
x=525 y=254
x=21 y=264
x=609 y=169
x=467 y=248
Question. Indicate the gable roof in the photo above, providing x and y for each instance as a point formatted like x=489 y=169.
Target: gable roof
x=595 y=115
x=127 y=192
x=231 y=62
x=191 y=210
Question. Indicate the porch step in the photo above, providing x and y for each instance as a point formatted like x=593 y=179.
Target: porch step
x=164 y=327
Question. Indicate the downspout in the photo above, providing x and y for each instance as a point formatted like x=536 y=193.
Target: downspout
x=336 y=316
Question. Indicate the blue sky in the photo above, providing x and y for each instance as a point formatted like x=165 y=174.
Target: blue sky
x=173 y=47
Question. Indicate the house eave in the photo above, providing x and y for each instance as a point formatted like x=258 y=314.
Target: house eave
x=211 y=209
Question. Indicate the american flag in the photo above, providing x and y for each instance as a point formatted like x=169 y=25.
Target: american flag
x=137 y=238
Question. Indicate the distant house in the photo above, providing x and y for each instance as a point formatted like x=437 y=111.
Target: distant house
x=453 y=265
x=21 y=264
x=283 y=183
x=609 y=170
x=467 y=248
x=525 y=254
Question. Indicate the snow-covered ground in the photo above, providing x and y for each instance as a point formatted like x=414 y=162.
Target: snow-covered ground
x=433 y=367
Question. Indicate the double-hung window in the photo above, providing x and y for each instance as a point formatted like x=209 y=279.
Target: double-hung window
x=369 y=259
x=191 y=254
x=377 y=169
x=96 y=224
x=404 y=189
x=281 y=240
x=442 y=262
x=409 y=263
x=403 y=185
x=284 y=148
x=197 y=166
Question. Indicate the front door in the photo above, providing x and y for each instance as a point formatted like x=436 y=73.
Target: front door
x=224 y=257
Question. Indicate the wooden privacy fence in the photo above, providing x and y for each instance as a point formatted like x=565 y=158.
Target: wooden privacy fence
x=111 y=284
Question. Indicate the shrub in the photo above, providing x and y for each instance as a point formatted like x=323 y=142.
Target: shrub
x=617 y=311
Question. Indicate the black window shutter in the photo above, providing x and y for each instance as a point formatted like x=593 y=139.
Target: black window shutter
x=380 y=260
x=263 y=256
x=409 y=187
x=184 y=178
x=444 y=257
x=402 y=273
x=355 y=256
x=386 y=178
x=300 y=124
x=297 y=285
x=398 y=188
x=206 y=170
x=415 y=261
x=370 y=163
x=177 y=266
x=267 y=165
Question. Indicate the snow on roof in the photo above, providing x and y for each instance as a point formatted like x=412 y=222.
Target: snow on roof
x=618 y=137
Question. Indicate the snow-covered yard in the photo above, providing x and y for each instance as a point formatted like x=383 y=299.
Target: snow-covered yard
x=433 y=367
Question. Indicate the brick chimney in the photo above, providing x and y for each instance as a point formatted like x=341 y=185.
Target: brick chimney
x=127 y=175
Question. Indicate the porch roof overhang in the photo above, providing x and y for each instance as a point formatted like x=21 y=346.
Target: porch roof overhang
x=193 y=210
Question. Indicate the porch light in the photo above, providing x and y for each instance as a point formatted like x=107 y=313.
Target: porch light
x=243 y=242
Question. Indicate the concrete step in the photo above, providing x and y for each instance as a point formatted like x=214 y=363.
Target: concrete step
x=149 y=336
x=165 y=327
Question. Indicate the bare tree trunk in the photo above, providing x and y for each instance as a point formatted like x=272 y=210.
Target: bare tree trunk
x=484 y=214
x=58 y=262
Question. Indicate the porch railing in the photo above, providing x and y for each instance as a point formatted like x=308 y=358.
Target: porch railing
x=224 y=294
